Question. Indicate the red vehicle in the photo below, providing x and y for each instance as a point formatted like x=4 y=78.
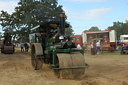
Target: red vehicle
x=77 y=39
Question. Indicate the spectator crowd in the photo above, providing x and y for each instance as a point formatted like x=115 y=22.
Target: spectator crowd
x=24 y=47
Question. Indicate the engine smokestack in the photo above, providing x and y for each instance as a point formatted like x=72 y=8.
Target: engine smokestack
x=62 y=18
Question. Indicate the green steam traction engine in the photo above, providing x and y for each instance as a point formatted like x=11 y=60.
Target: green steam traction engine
x=7 y=47
x=51 y=46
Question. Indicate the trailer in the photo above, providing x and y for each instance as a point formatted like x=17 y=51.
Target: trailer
x=123 y=38
x=107 y=38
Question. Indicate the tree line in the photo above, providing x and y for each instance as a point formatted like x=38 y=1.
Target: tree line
x=28 y=14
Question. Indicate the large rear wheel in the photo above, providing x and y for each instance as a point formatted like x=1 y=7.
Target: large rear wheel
x=36 y=56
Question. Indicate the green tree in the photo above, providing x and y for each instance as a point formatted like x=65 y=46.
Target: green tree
x=69 y=31
x=94 y=28
x=27 y=15
x=120 y=27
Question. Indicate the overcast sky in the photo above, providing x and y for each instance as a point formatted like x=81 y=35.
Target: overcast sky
x=83 y=14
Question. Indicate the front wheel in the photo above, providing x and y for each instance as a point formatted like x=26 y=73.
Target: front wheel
x=36 y=55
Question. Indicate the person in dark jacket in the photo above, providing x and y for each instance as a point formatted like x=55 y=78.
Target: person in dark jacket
x=26 y=47
x=22 y=47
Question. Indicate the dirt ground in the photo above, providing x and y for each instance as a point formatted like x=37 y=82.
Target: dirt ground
x=104 y=69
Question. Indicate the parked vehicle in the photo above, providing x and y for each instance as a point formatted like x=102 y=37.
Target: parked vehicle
x=124 y=38
x=77 y=39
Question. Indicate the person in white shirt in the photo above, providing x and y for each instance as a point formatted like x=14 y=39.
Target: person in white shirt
x=78 y=46
x=98 y=47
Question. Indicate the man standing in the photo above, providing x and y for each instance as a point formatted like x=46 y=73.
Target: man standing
x=22 y=47
x=26 y=47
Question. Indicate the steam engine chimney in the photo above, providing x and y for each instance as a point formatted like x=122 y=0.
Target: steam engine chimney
x=62 y=18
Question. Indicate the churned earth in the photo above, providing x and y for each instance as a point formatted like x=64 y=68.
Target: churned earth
x=104 y=69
